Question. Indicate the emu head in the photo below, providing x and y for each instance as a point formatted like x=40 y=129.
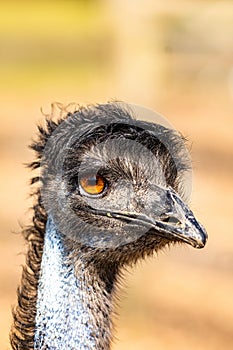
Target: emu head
x=114 y=185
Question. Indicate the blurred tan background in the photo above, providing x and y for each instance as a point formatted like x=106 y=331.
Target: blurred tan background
x=175 y=57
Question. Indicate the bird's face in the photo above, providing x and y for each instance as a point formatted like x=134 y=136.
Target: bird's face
x=124 y=190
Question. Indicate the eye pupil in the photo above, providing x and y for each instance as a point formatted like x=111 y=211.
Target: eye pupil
x=92 y=183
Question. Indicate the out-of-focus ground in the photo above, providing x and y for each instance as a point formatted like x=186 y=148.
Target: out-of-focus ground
x=176 y=58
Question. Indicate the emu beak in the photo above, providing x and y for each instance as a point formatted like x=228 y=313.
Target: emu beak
x=176 y=223
x=180 y=223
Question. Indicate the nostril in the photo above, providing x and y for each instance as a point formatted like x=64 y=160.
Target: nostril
x=172 y=220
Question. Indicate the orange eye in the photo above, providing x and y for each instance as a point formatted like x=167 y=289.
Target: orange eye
x=93 y=184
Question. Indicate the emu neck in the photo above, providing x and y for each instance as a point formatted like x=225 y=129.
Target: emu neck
x=73 y=304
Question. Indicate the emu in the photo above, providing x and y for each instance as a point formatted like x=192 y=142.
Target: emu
x=109 y=193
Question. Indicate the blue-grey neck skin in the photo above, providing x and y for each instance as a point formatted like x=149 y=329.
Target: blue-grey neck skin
x=66 y=309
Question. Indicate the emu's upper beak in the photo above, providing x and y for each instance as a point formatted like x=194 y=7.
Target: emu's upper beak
x=176 y=222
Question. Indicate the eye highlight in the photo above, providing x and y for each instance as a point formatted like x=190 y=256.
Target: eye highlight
x=93 y=184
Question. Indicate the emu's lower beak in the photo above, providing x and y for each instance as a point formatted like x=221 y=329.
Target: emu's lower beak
x=177 y=222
